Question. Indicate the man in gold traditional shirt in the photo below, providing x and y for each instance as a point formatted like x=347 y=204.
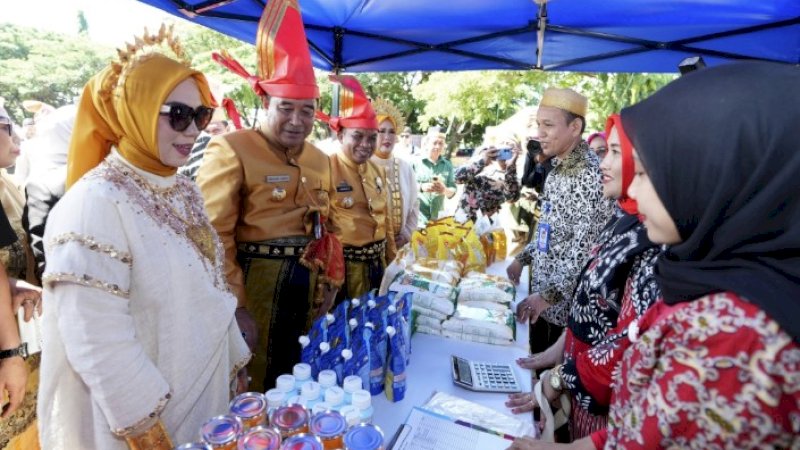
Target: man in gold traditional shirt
x=267 y=193
x=362 y=195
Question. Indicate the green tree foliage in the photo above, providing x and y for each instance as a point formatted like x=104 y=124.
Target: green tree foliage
x=45 y=66
x=608 y=93
x=200 y=43
x=465 y=103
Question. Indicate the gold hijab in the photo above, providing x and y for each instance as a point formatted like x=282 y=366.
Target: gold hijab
x=127 y=116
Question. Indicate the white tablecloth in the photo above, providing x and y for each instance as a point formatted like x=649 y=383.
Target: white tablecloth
x=430 y=370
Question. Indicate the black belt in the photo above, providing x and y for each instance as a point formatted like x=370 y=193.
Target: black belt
x=274 y=249
x=369 y=252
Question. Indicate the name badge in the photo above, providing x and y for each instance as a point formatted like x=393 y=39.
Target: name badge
x=543 y=238
x=344 y=187
x=278 y=178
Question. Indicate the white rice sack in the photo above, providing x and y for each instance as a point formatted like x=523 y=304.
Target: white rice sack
x=480 y=287
x=491 y=306
x=475 y=338
x=428 y=330
x=482 y=322
x=429 y=313
x=428 y=321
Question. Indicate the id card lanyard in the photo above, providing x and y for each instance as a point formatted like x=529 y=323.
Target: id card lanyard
x=543 y=233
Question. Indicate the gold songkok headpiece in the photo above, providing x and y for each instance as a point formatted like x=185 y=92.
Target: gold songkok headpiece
x=143 y=48
x=385 y=110
x=565 y=99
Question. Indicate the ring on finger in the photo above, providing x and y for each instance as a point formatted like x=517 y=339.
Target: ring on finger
x=27 y=301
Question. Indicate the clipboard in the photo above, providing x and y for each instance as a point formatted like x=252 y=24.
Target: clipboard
x=426 y=430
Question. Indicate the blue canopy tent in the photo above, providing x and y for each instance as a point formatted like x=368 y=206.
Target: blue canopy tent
x=568 y=35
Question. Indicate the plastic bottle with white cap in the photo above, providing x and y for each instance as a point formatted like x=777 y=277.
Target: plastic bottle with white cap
x=351 y=414
x=302 y=375
x=287 y=384
x=334 y=396
x=362 y=400
x=275 y=399
x=310 y=394
x=351 y=384
x=326 y=380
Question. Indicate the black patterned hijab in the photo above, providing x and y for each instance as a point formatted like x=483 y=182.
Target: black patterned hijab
x=721 y=148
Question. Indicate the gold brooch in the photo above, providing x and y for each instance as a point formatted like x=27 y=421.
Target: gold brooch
x=278 y=194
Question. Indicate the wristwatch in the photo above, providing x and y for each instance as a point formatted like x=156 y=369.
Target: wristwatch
x=556 y=382
x=22 y=351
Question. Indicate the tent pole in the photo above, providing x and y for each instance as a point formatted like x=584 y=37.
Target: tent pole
x=540 y=28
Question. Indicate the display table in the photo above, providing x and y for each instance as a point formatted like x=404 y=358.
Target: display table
x=430 y=370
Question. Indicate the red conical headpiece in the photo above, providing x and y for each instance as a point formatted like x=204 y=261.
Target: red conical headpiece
x=284 y=62
x=355 y=108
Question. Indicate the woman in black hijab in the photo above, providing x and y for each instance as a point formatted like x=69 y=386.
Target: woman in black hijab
x=717 y=363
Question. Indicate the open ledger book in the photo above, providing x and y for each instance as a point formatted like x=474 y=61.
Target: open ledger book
x=426 y=430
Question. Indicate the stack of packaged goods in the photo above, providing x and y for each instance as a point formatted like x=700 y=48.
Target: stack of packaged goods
x=477 y=308
x=432 y=287
x=368 y=338
x=492 y=238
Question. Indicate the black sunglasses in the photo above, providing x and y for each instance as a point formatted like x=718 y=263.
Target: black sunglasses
x=181 y=115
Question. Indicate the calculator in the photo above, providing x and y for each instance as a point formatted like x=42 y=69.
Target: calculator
x=484 y=376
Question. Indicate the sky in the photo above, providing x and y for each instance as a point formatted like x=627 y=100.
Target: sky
x=111 y=22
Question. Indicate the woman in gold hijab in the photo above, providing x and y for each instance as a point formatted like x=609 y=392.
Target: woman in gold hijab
x=140 y=341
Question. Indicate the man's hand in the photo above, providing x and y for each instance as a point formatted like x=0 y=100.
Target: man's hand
x=13 y=380
x=530 y=308
x=438 y=187
x=514 y=271
x=27 y=296
x=248 y=327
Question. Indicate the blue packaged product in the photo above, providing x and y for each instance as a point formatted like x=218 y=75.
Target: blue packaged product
x=310 y=351
x=326 y=358
x=374 y=378
x=396 y=362
x=404 y=306
x=346 y=358
x=357 y=307
x=338 y=337
x=363 y=353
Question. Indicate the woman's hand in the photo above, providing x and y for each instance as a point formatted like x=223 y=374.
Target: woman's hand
x=13 y=380
x=488 y=154
x=538 y=361
x=248 y=327
x=529 y=443
x=522 y=402
x=27 y=296
x=242 y=381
